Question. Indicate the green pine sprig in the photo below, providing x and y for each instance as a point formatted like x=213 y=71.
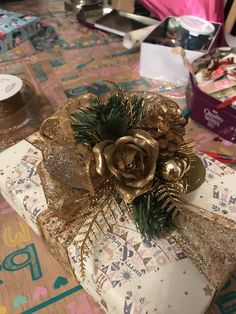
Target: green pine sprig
x=109 y=120
x=154 y=211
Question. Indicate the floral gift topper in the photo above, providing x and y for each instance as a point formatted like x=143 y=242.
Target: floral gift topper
x=136 y=150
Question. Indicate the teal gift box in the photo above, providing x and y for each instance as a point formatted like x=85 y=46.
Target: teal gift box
x=15 y=28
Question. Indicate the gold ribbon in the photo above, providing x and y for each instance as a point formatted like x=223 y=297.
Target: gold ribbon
x=68 y=170
x=70 y=178
x=209 y=240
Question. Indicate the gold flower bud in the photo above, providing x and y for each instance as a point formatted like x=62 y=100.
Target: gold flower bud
x=131 y=160
x=173 y=170
x=170 y=171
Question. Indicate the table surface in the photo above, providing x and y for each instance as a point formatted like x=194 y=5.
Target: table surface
x=65 y=60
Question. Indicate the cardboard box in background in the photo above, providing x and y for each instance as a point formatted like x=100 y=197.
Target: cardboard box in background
x=15 y=28
x=157 y=61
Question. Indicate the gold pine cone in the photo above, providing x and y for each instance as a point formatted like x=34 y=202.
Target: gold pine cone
x=162 y=118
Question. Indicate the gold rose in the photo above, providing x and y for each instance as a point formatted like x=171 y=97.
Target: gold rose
x=131 y=160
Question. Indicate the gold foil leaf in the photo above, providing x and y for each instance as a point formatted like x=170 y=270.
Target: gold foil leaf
x=58 y=128
x=81 y=102
x=196 y=174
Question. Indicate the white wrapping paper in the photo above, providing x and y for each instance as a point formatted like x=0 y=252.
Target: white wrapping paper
x=125 y=274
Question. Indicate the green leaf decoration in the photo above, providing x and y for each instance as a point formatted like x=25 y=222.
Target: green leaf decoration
x=109 y=120
x=113 y=129
x=134 y=110
x=153 y=212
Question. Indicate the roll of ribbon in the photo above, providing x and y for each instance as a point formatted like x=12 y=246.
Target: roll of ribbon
x=10 y=95
x=16 y=98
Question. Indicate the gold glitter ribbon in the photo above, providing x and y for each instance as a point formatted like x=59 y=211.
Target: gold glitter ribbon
x=68 y=170
x=208 y=239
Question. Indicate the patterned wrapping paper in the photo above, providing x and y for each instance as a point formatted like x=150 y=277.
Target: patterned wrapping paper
x=125 y=274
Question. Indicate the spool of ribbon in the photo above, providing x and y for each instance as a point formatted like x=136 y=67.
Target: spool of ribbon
x=16 y=95
x=10 y=95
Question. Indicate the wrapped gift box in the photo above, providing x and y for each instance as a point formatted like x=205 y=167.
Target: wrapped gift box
x=15 y=28
x=123 y=272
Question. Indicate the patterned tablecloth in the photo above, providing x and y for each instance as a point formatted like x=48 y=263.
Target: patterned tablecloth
x=65 y=60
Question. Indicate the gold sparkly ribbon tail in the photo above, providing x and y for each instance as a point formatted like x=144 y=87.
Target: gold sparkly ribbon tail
x=209 y=240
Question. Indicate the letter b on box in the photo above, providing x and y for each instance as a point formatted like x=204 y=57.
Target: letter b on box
x=14 y=261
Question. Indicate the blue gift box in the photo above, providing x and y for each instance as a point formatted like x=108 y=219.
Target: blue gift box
x=15 y=28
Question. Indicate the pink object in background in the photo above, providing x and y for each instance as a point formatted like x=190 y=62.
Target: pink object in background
x=211 y=10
